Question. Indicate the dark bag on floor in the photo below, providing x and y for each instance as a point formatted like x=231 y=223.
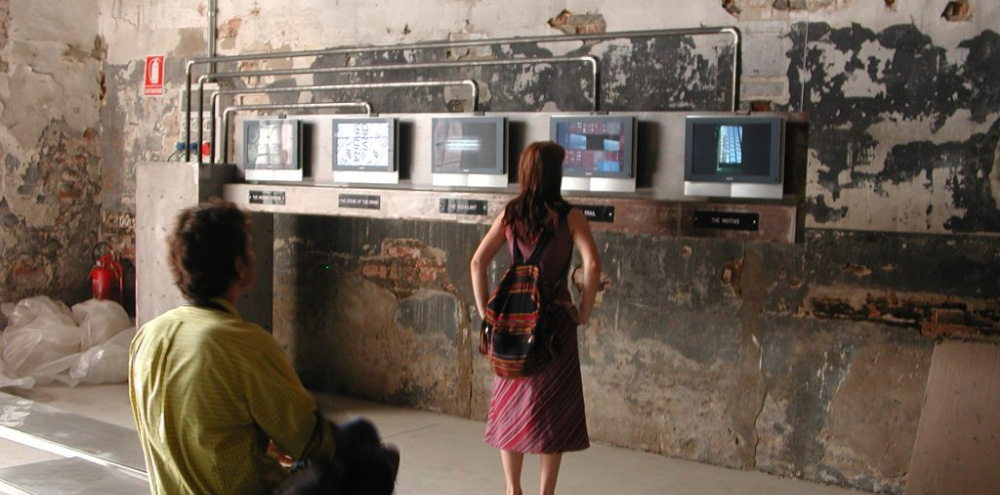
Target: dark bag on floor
x=517 y=331
x=363 y=465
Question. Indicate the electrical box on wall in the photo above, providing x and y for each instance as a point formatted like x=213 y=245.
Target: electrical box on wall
x=202 y=124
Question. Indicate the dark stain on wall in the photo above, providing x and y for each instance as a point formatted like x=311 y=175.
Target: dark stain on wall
x=899 y=280
x=4 y=23
x=804 y=374
x=375 y=308
x=117 y=177
x=829 y=401
x=670 y=73
x=689 y=285
x=959 y=266
x=919 y=83
x=430 y=312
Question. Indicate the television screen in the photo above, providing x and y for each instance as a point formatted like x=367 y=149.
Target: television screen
x=364 y=144
x=469 y=145
x=596 y=146
x=272 y=144
x=734 y=149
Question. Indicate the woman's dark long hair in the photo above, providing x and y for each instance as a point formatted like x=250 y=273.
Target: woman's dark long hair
x=536 y=209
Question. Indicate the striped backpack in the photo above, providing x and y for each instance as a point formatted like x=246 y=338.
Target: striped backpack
x=517 y=332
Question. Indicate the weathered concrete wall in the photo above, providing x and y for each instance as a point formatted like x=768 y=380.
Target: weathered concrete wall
x=699 y=349
x=51 y=84
x=802 y=360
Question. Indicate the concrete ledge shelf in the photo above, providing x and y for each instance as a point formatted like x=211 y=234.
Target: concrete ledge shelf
x=634 y=214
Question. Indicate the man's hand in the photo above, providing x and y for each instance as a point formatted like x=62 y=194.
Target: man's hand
x=274 y=452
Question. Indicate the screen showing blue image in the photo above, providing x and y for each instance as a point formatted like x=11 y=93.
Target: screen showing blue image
x=730 y=146
x=734 y=149
x=724 y=149
x=598 y=146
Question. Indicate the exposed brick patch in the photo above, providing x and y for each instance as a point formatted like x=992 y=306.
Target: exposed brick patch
x=959 y=11
x=405 y=266
x=31 y=272
x=570 y=23
x=60 y=188
x=229 y=31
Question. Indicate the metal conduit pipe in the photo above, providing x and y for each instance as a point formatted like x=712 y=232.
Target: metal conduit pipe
x=586 y=59
x=212 y=7
x=201 y=113
x=333 y=87
x=371 y=68
x=277 y=106
x=731 y=30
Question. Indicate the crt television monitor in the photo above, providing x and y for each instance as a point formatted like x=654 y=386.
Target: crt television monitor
x=738 y=149
x=596 y=146
x=272 y=144
x=469 y=145
x=364 y=144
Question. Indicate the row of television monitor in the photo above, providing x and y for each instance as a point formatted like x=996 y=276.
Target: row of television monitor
x=725 y=149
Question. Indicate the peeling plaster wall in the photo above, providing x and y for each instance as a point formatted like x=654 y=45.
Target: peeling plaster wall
x=51 y=72
x=904 y=132
x=801 y=360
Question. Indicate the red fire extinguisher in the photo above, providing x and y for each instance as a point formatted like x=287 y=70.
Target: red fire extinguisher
x=106 y=274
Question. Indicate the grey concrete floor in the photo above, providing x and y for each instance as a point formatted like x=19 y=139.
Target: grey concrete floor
x=444 y=455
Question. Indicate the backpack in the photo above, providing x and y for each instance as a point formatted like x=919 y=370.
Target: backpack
x=518 y=331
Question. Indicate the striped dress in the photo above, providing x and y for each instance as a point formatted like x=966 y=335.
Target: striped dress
x=544 y=413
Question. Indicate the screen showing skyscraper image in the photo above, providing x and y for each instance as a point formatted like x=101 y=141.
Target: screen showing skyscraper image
x=730 y=146
x=732 y=150
x=271 y=145
x=592 y=146
x=363 y=145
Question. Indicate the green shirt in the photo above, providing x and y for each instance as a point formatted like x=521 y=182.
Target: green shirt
x=208 y=391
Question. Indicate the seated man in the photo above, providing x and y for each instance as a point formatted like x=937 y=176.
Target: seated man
x=210 y=391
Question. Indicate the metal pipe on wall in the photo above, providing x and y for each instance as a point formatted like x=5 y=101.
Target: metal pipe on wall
x=212 y=7
x=277 y=106
x=333 y=87
x=731 y=30
x=589 y=59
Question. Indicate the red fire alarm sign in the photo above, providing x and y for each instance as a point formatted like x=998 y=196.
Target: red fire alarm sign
x=153 y=82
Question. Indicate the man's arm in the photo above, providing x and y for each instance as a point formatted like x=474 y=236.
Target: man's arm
x=282 y=407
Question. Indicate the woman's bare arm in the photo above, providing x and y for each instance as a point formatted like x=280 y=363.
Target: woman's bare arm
x=485 y=253
x=579 y=228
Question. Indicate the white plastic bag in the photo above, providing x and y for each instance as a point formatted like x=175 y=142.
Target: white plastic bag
x=40 y=341
x=44 y=339
x=39 y=348
x=6 y=381
x=26 y=310
x=99 y=321
x=104 y=363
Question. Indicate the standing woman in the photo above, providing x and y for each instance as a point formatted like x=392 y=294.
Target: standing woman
x=542 y=413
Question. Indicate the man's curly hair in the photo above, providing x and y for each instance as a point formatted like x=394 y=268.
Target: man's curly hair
x=204 y=245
